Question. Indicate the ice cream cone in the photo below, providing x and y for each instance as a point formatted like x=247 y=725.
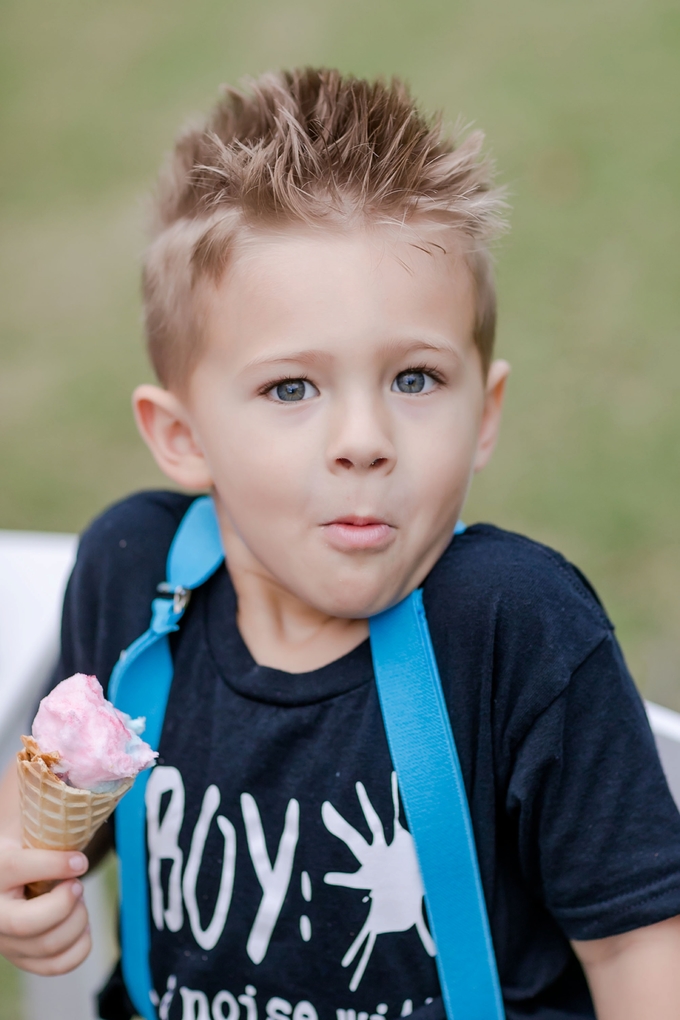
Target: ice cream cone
x=55 y=816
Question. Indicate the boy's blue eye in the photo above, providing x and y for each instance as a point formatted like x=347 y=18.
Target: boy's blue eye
x=293 y=390
x=411 y=381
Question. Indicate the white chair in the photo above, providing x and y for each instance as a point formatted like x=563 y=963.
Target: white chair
x=666 y=727
x=34 y=569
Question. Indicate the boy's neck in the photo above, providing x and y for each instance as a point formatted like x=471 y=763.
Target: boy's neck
x=279 y=629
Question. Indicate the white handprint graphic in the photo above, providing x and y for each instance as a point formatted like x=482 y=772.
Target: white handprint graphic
x=390 y=873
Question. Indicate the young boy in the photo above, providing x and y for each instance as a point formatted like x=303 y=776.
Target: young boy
x=320 y=312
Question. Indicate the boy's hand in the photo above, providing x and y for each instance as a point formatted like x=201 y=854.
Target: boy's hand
x=49 y=934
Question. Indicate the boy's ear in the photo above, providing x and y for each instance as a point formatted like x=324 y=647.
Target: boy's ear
x=166 y=429
x=491 y=415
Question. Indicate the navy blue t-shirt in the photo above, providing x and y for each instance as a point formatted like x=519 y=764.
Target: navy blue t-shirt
x=283 y=879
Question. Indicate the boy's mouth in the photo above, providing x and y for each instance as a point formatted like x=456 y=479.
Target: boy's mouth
x=351 y=532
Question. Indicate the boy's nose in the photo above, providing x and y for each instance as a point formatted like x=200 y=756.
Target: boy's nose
x=361 y=442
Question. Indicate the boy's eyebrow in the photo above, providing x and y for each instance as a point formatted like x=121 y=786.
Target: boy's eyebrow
x=439 y=345
x=307 y=356
x=312 y=356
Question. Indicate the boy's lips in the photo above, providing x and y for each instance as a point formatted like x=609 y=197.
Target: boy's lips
x=351 y=532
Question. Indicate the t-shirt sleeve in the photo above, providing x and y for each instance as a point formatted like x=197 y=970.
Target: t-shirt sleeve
x=598 y=831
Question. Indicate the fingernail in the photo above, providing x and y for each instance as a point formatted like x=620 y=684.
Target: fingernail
x=77 y=888
x=78 y=862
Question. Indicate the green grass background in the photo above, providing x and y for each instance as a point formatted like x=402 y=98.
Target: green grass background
x=579 y=99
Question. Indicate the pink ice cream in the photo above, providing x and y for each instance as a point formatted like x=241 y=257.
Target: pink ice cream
x=97 y=744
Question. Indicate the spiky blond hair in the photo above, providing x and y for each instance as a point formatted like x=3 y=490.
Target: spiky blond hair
x=308 y=147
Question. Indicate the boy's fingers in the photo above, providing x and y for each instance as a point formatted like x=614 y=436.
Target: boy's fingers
x=22 y=919
x=19 y=867
x=56 y=941
x=62 y=963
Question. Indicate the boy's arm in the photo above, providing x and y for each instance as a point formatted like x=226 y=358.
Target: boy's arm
x=635 y=975
x=48 y=934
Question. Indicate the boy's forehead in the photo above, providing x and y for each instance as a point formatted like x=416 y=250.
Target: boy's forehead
x=318 y=285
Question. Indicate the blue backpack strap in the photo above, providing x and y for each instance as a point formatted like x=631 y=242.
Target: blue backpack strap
x=140 y=685
x=431 y=784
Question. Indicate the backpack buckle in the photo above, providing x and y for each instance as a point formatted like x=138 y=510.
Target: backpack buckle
x=180 y=596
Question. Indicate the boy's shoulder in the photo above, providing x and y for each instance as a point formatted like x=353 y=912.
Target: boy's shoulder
x=513 y=570
x=129 y=541
x=125 y=548
x=121 y=559
x=147 y=516
x=502 y=604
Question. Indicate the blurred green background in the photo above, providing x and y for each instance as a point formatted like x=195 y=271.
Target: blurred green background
x=579 y=99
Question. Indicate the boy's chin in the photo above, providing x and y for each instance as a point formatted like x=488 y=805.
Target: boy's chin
x=355 y=602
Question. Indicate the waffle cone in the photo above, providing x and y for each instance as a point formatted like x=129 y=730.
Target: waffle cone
x=55 y=816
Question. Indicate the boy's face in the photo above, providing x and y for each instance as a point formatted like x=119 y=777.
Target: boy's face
x=338 y=411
